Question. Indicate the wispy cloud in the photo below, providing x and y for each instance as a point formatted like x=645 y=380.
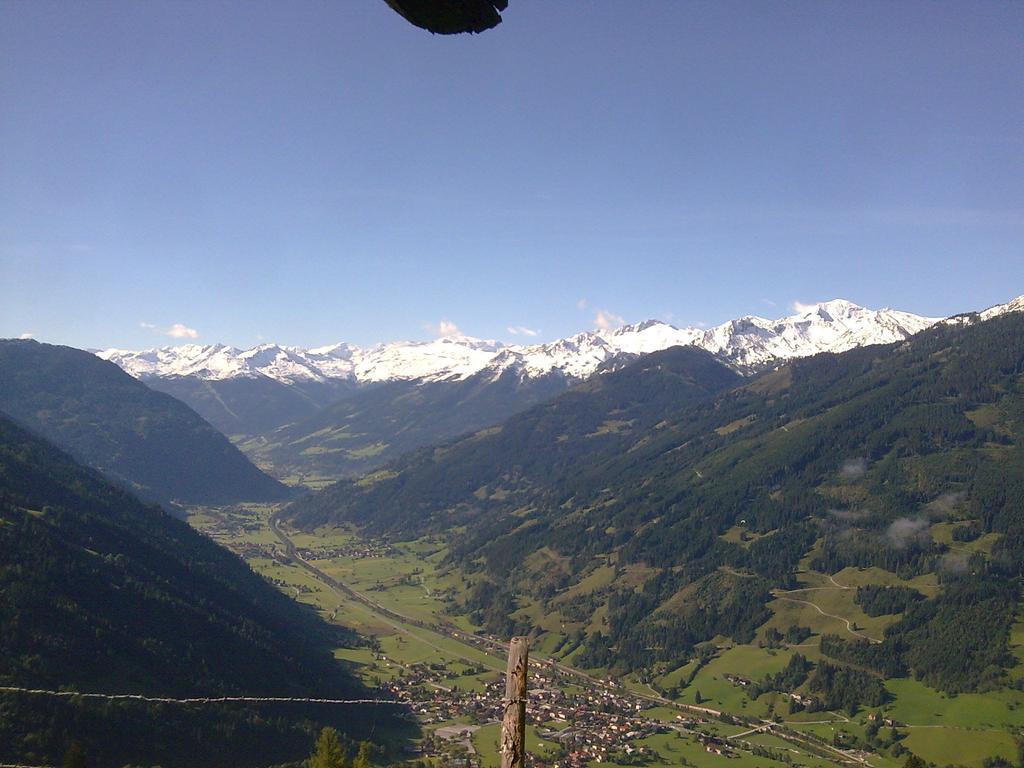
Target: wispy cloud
x=606 y=320
x=581 y=304
x=521 y=330
x=799 y=307
x=906 y=531
x=769 y=303
x=176 y=331
x=444 y=328
x=27 y=335
x=182 y=331
x=853 y=468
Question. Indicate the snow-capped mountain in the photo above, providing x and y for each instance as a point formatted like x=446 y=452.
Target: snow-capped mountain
x=746 y=343
x=328 y=412
x=1014 y=305
x=443 y=358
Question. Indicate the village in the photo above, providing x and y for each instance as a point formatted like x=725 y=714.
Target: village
x=575 y=719
x=581 y=725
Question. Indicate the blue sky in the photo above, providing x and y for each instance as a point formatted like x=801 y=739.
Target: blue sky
x=320 y=171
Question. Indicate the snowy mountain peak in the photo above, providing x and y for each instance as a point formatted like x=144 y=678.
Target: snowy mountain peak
x=966 y=318
x=746 y=343
x=1014 y=305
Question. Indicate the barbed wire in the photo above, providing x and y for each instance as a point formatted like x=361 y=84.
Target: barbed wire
x=194 y=699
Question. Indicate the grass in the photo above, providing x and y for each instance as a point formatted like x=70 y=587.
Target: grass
x=917 y=704
x=485 y=742
x=746 y=661
x=962 y=729
x=959 y=746
x=943 y=534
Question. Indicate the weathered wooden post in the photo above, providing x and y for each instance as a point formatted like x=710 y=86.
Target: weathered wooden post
x=513 y=723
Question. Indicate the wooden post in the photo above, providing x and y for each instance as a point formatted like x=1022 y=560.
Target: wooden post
x=513 y=723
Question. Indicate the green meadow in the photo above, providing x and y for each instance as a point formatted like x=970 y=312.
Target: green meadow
x=409 y=579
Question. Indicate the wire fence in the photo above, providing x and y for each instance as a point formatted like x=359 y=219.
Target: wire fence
x=195 y=699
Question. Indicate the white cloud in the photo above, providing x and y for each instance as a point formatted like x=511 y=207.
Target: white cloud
x=517 y=330
x=799 y=307
x=905 y=531
x=176 y=331
x=27 y=335
x=444 y=328
x=768 y=303
x=606 y=320
x=853 y=468
x=581 y=304
x=181 y=331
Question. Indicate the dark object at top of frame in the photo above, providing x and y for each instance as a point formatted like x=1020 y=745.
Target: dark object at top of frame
x=450 y=17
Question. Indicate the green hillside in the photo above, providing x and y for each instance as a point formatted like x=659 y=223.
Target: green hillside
x=148 y=441
x=99 y=592
x=250 y=406
x=905 y=459
x=493 y=468
x=383 y=421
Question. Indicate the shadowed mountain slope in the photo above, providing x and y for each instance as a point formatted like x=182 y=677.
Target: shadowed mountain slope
x=384 y=421
x=148 y=441
x=99 y=592
x=251 y=405
x=524 y=453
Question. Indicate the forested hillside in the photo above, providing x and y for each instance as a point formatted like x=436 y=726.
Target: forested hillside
x=250 y=405
x=856 y=459
x=101 y=593
x=483 y=471
x=386 y=420
x=148 y=441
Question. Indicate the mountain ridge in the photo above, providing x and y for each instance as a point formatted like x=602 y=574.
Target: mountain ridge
x=145 y=440
x=853 y=460
x=102 y=593
x=313 y=416
x=746 y=343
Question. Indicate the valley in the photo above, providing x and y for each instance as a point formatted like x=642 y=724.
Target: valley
x=814 y=565
x=406 y=600
x=355 y=354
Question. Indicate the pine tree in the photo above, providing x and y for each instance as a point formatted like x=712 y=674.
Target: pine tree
x=363 y=757
x=328 y=752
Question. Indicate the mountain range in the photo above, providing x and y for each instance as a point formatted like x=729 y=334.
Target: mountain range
x=747 y=343
x=311 y=416
x=650 y=510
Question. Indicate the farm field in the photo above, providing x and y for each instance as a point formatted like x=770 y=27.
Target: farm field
x=408 y=579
